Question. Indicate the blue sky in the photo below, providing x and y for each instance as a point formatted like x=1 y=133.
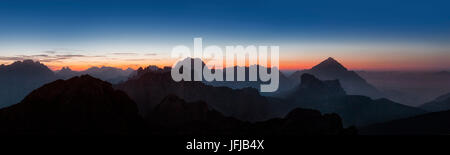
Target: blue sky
x=305 y=30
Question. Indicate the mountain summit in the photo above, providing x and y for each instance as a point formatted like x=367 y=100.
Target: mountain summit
x=329 y=64
x=26 y=68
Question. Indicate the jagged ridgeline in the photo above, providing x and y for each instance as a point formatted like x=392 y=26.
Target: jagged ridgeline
x=86 y=105
x=150 y=102
x=21 y=77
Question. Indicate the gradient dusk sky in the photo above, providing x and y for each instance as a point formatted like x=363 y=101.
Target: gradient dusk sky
x=363 y=35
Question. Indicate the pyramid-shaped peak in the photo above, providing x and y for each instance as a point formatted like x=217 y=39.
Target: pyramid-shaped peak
x=330 y=64
x=331 y=59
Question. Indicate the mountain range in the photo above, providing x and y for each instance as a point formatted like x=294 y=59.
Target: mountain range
x=285 y=83
x=110 y=74
x=330 y=69
x=176 y=116
x=148 y=88
x=20 y=78
x=88 y=106
x=329 y=97
x=148 y=101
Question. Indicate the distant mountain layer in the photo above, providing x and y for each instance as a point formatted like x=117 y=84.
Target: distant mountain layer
x=110 y=74
x=149 y=87
x=174 y=116
x=441 y=103
x=431 y=123
x=80 y=105
x=88 y=106
x=330 y=69
x=20 y=78
x=412 y=88
x=285 y=83
x=330 y=97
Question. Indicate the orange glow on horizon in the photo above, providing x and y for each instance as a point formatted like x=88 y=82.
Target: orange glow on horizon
x=284 y=65
x=376 y=64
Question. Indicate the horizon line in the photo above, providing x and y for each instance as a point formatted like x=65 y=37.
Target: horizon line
x=135 y=67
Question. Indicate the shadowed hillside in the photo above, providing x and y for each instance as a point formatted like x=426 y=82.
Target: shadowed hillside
x=175 y=116
x=285 y=84
x=441 y=103
x=88 y=106
x=352 y=83
x=436 y=123
x=80 y=105
x=148 y=88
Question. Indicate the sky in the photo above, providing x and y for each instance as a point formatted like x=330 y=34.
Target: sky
x=361 y=34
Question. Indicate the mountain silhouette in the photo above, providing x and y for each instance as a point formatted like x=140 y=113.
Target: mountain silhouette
x=67 y=73
x=303 y=122
x=20 y=78
x=441 y=103
x=174 y=116
x=175 y=111
x=330 y=69
x=329 y=97
x=85 y=105
x=284 y=82
x=435 y=123
x=311 y=87
x=110 y=74
x=148 y=88
x=329 y=65
x=80 y=105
